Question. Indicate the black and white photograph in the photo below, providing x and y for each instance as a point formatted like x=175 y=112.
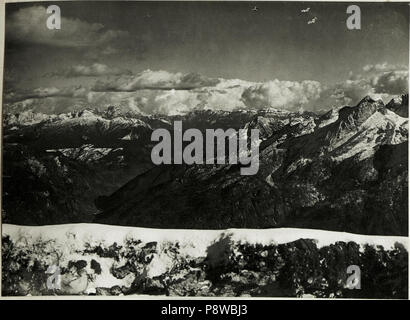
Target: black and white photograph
x=224 y=149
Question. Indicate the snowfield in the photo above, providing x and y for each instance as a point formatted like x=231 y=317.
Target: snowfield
x=195 y=242
x=97 y=259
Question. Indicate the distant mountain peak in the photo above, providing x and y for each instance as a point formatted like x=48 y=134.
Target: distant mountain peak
x=361 y=112
x=366 y=99
x=399 y=105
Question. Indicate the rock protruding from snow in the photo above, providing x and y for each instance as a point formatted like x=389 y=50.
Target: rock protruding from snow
x=111 y=260
x=400 y=105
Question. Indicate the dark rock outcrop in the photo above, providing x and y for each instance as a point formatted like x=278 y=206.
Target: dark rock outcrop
x=314 y=172
x=322 y=177
x=400 y=105
x=228 y=268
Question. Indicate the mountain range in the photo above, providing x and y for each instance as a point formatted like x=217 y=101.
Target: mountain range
x=343 y=170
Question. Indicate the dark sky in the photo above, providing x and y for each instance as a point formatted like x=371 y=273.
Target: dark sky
x=214 y=39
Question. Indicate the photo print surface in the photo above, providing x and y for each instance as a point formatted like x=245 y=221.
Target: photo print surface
x=213 y=149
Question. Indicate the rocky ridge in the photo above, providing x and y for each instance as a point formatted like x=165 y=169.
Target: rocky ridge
x=109 y=260
x=344 y=170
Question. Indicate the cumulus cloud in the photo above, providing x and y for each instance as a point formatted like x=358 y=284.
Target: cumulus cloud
x=28 y=25
x=168 y=102
x=153 y=92
x=48 y=92
x=173 y=93
x=380 y=81
x=282 y=94
x=348 y=92
x=93 y=70
x=166 y=93
x=389 y=79
x=175 y=102
x=383 y=67
x=226 y=95
x=47 y=105
x=155 y=80
x=128 y=101
x=392 y=82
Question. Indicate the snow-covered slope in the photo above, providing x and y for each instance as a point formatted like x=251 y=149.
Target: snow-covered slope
x=197 y=240
x=113 y=260
x=379 y=128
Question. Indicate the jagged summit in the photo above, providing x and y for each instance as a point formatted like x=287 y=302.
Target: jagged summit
x=359 y=113
x=313 y=169
x=400 y=105
x=366 y=99
x=308 y=170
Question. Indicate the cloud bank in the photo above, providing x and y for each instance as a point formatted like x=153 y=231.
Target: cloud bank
x=278 y=94
x=93 y=70
x=155 y=80
x=153 y=92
